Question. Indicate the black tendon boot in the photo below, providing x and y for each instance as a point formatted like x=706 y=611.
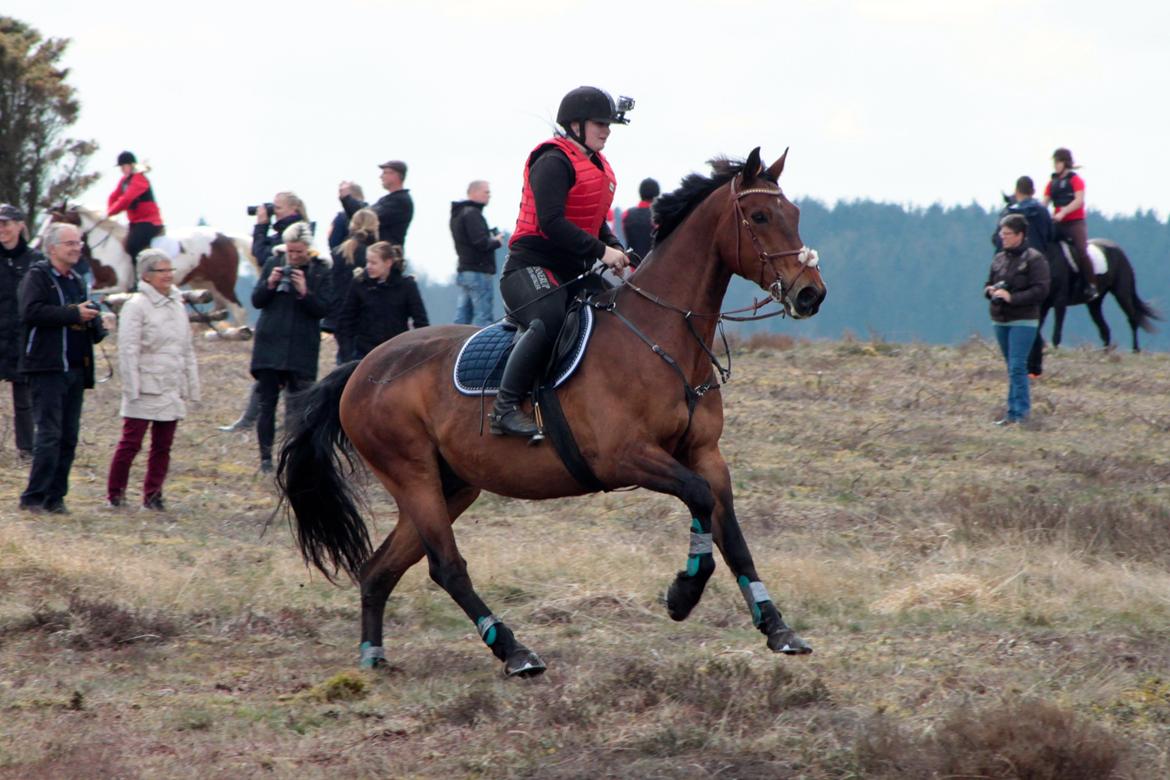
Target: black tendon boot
x=528 y=357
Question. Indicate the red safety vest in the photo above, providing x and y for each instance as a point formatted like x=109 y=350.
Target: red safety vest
x=589 y=198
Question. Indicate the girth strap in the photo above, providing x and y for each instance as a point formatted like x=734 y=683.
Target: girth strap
x=556 y=427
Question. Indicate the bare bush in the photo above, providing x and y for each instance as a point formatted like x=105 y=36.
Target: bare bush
x=1021 y=739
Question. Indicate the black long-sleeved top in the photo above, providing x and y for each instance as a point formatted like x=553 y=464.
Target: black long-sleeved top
x=394 y=210
x=288 y=334
x=568 y=250
x=376 y=311
x=474 y=244
x=264 y=241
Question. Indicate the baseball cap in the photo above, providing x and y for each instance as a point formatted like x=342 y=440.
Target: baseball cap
x=10 y=212
x=395 y=165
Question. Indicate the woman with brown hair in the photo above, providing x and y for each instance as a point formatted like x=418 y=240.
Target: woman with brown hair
x=349 y=257
x=382 y=302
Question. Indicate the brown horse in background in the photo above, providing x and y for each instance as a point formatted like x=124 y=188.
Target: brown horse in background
x=642 y=417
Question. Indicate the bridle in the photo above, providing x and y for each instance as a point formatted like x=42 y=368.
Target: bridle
x=807 y=258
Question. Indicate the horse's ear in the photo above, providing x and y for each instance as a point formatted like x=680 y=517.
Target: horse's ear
x=751 y=168
x=777 y=167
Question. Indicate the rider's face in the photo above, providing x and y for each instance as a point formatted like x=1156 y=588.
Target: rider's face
x=596 y=134
x=1058 y=166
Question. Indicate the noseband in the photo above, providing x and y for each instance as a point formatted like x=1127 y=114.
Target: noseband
x=806 y=257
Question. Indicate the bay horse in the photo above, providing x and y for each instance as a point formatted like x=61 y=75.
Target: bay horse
x=203 y=258
x=644 y=406
x=1119 y=280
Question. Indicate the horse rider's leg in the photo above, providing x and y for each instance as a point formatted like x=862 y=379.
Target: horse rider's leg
x=728 y=536
x=1095 y=312
x=419 y=495
x=380 y=574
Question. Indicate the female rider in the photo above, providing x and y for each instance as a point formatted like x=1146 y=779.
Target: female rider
x=1066 y=191
x=560 y=233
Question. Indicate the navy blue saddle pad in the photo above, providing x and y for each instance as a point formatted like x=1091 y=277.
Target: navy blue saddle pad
x=480 y=364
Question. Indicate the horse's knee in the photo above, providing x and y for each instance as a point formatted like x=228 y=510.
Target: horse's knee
x=449 y=574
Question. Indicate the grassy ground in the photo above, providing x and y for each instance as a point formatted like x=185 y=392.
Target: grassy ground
x=983 y=602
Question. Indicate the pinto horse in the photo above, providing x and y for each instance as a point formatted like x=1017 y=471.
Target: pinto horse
x=1118 y=279
x=203 y=258
x=644 y=406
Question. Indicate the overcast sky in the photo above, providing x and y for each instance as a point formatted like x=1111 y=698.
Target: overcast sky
x=909 y=101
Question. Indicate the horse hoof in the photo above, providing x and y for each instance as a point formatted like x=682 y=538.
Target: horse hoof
x=786 y=641
x=524 y=664
x=670 y=599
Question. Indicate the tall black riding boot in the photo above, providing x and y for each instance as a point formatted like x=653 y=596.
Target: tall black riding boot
x=527 y=359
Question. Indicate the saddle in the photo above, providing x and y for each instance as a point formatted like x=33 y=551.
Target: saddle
x=480 y=364
x=1096 y=257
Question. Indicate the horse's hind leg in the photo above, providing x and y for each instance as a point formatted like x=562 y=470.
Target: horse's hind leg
x=420 y=498
x=380 y=574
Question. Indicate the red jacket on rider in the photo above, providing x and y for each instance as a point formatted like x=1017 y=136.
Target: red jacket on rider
x=134 y=196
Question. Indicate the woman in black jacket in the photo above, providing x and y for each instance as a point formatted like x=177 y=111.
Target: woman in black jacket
x=348 y=258
x=292 y=294
x=1017 y=285
x=382 y=302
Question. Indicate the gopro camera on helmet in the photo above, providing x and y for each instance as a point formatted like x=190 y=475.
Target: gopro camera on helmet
x=624 y=104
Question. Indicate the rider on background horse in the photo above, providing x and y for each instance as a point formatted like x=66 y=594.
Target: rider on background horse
x=560 y=233
x=135 y=196
x=1066 y=190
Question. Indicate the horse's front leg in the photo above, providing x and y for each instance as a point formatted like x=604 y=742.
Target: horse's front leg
x=730 y=540
x=1098 y=316
x=1057 y=325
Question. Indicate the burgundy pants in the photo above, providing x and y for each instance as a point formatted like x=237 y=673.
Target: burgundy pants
x=133 y=432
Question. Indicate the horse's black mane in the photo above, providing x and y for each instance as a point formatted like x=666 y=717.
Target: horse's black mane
x=671 y=209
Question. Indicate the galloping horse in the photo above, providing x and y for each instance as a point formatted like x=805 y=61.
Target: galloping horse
x=203 y=258
x=1118 y=279
x=644 y=406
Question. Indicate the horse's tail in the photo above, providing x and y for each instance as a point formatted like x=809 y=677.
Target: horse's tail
x=1144 y=314
x=313 y=474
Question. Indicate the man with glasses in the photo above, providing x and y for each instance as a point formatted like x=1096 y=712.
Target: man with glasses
x=59 y=327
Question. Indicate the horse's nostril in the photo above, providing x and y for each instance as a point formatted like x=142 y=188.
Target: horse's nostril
x=808 y=300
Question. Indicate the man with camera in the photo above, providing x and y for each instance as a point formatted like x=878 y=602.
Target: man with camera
x=59 y=327
x=292 y=294
x=476 y=246
x=286 y=208
x=395 y=209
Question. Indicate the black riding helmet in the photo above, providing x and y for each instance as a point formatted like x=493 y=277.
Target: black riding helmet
x=584 y=103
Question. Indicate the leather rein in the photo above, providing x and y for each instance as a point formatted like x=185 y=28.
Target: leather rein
x=808 y=259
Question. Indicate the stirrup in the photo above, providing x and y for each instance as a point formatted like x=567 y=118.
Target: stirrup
x=501 y=424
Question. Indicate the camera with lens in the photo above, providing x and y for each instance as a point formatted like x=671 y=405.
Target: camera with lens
x=624 y=104
x=998 y=286
x=269 y=207
x=285 y=285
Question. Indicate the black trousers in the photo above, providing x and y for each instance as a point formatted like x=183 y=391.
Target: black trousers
x=22 y=414
x=269 y=383
x=56 y=398
x=139 y=238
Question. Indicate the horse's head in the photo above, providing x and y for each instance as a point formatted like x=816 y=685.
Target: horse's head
x=764 y=245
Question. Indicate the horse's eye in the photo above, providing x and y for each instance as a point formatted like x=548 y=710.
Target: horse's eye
x=759 y=217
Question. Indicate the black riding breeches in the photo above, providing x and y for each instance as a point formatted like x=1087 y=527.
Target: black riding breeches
x=532 y=293
x=139 y=238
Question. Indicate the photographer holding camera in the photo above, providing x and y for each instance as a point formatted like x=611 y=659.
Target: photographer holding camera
x=59 y=327
x=287 y=209
x=1016 y=286
x=292 y=294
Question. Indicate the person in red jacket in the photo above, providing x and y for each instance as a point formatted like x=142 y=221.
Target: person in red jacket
x=135 y=196
x=1066 y=191
x=560 y=234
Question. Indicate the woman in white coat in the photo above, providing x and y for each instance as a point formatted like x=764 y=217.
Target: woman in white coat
x=159 y=377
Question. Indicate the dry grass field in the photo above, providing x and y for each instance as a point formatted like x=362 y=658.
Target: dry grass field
x=982 y=602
